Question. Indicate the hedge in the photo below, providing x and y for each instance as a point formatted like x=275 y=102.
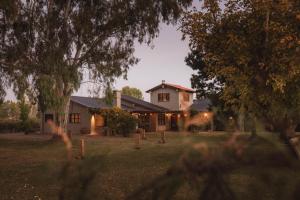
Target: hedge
x=13 y=126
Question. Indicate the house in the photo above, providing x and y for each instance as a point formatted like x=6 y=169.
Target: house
x=176 y=99
x=165 y=111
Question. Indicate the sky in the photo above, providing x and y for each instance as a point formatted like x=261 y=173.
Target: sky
x=163 y=62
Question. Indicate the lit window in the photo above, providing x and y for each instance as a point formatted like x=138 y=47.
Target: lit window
x=163 y=97
x=161 y=119
x=74 y=118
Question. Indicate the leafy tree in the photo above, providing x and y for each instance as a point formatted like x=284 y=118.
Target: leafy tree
x=250 y=49
x=54 y=42
x=131 y=91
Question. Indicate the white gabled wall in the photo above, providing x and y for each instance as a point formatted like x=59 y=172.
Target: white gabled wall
x=173 y=104
x=176 y=102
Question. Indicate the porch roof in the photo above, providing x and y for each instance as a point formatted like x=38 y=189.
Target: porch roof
x=132 y=104
x=128 y=103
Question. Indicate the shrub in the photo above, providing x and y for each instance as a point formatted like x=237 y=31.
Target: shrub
x=119 y=121
x=12 y=126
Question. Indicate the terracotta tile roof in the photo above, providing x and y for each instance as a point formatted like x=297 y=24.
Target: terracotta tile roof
x=179 y=87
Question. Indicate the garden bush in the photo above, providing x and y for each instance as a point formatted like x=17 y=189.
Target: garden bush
x=10 y=126
x=13 y=126
x=119 y=121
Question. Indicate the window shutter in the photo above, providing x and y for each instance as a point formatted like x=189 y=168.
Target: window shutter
x=168 y=97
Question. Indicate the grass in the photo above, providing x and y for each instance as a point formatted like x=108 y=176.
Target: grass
x=31 y=166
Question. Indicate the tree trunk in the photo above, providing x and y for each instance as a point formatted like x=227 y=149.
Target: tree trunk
x=64 y=124
x=62 y=116
x=241 y=118
x=61 y=126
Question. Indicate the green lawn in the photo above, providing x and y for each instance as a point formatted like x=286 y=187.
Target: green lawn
x=31 y=167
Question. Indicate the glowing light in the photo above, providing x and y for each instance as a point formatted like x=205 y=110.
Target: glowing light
x=93 y=125
x=178 y=115
x=205 y=115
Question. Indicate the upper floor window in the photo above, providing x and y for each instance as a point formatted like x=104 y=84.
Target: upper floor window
x=74 y=118
x=163 y=97
x=186 y=96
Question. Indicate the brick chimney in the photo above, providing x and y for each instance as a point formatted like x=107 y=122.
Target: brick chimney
x=117 y=98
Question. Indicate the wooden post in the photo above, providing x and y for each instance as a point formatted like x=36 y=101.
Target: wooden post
x=137 y=141
x=163 y=137
x=82 y=148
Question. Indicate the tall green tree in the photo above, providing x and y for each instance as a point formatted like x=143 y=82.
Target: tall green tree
x=250 y=50
x=54 y=42
x=132 y=91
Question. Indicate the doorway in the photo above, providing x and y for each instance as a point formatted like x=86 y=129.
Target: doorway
x=174 y=122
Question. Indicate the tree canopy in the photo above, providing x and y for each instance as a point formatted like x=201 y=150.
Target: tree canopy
x=248 y=51
x=132 y=91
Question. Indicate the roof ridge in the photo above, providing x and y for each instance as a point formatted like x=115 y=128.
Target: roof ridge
x=172 y=85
